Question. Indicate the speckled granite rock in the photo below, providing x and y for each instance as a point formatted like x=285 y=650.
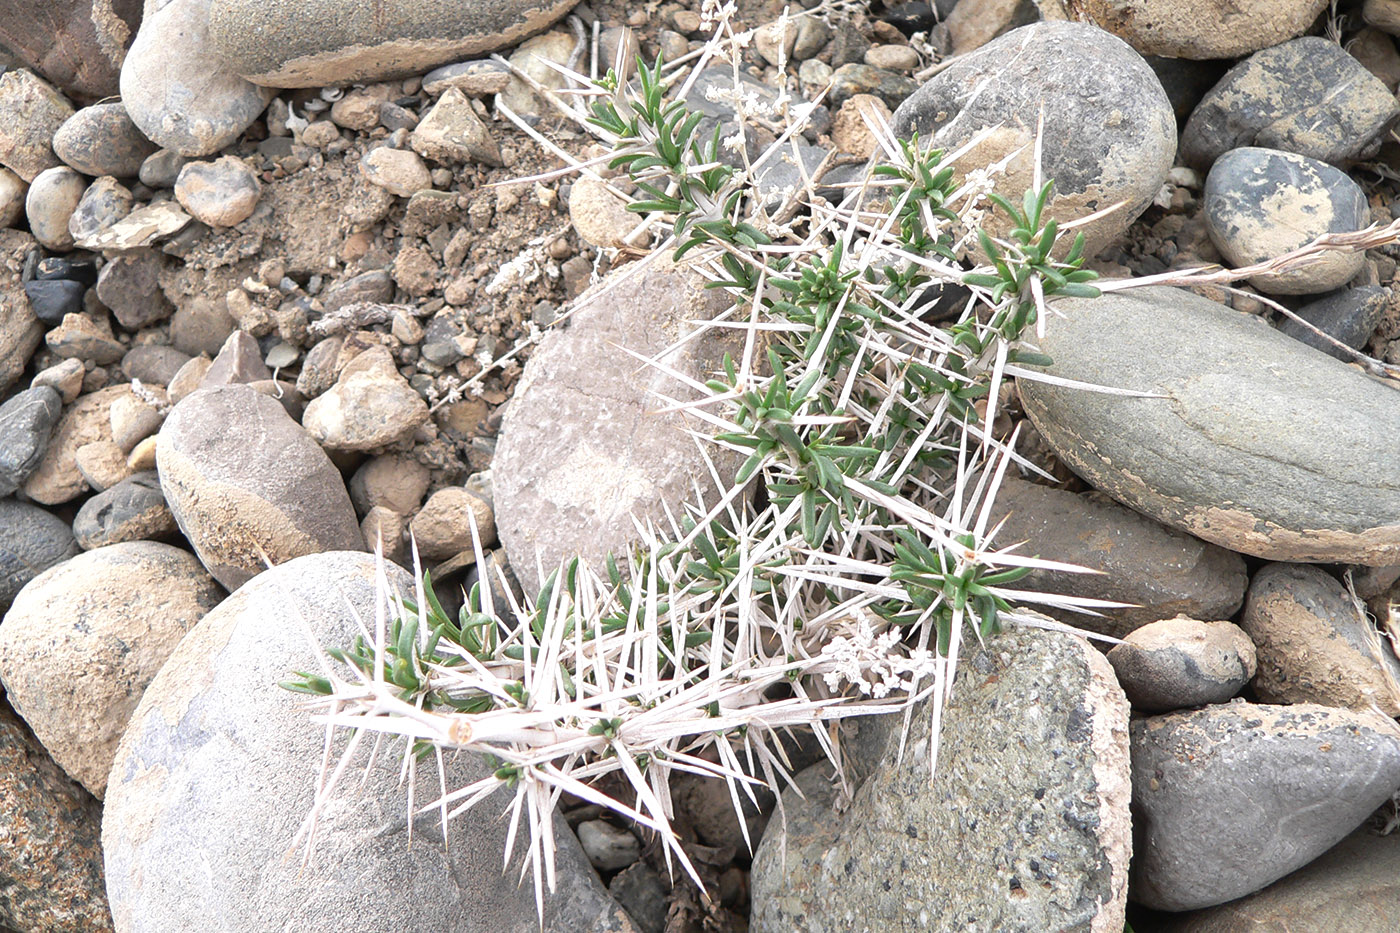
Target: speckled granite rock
x=1262 y=445
x=1025 y=826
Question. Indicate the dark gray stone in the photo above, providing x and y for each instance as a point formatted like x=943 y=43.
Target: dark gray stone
x=1314 y=645
x=642 y=894
x=1158 y=571
x=1179 y=663
x=1306 y=96
x=1229 y=798
x=1024 y=826
x=1110 y=134
x=439 y=344
x=153 y=364
x=1262 y=445
x=219 y=767
x=102 y=140
x=31 y=541
x=130 y=285
x=52 y=299
x=375 y=287
x=858 y=78
x=161 y=169
x=1349 y=315
x=132 y=510
x=26 y=422
x=1185 y=81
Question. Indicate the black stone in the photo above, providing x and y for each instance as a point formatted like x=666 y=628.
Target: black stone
x=64 y=267
x=51 y=299
x=1349 y=314
x=31 y=541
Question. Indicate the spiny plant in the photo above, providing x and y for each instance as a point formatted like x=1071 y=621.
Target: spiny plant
x=850 y=552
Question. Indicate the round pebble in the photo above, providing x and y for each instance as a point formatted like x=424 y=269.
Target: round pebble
x=1179 y=663
x=397 y=171
x=52 y=199
x=220 y=193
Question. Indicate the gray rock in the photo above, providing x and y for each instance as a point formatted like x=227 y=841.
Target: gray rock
x=132 y=510
x=53 y=197
x=608 y=847
x=1160 y=572
x=1262 y=203
x=54 y=299
x=480 y=78
x=1024 y=827
x=239 y=362
x=319 y=43
x=1110 y=134
x=1355 y=886
x=1314 y=645
x=370 y=406
x=31 y=541
x=161 y=169
x=105 y=202
x=51 y=865
x=129 y=285
x=76 y=44
x=219 y=768
x=452 y=132
x=641 y=892
x=31 y=111
x=178 y=90
x=397 y=483
x=84 y=337
x=1307 y=96
x=1179 y=663
x=201 y=326
x=114 y=614
x=580 y=453
x=375 y=287
x=102 y=140
x=858 y=78
x=1196 y=29
x=1230 y=798
x=1262 y=445
x=1349 y=315
x=220 y=193
x=247 y=484
x=26 y=421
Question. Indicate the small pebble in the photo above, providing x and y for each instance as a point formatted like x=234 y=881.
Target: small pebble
x=220 y=193
x=397 y=171
x=52 y=199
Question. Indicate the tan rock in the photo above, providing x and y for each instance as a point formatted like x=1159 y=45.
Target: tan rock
x=600 y=217
x=102 y=464
x=394 y=482
x=87 y=421
x=443 y=528
x=370 y=406
x=849 y=129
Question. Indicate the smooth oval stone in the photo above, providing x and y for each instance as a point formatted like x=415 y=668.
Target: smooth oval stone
x=1110 y=133
x=1231 y=797
x=52 y=300
x=309 y=43
x=31 y=541
x=1262 y=203
x=1200 y=28
x=1179 y=663
x=102 y=140
x=247 y=484
x=1261 y=445
x=50 y=203
x=26 y=421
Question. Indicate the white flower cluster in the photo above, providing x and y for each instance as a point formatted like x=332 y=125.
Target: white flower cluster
x=871 y=662
x=713 y=11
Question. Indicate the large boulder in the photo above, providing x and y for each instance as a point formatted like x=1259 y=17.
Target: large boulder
x=248 y=485
x=1199 y=29
x=279 y=43
x=1260 y=444
x=76 y=44
x=218 y=772
x=1024 y=826
x=84 y=638
x=582 y=451
x=1110 y=133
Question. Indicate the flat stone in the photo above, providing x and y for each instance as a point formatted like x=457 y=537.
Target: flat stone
x=1195 y=29
x=135 y=419
x=26 y=422
x=105 y=202
x=570 y=474
x=1110 y=134
x=142 y=227
x=1306 y=96
x=1033 y=757
x=248 y=485
x=215 y=743
x=115 y=614
x=1315 y=645
x=31 y=541
x=1262 y=203
x=102 y=464
x=31 y=111
x=452 y=132
x=1349 y=315
x=132 y=510
x=1179 y=663
x=57 y=478
x=1158 y=571
x=102 y=140
x=51 y=865
x=178 y=89
x=473 y=78
x=1203 y=782
x=1262 y=445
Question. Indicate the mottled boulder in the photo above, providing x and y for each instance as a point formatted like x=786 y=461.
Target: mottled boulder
x=1024 y=826
x=26 y=421
x=57 y=479
x=1262 y=203
x=220 y=767
x=308 y=44
x=1110 y=134
x=102 y=140
x=1261 y=445
x=1160 y=572
x=1179 y=663
x=51 y=863
x=1315 y=645
x=581 y=450
x=1306 y=96
x=114 y=615
x=1200 y=28
x=1231 y=797
x=132 y=510
x=76 y=44
x=248 y=485
x=31 y=541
